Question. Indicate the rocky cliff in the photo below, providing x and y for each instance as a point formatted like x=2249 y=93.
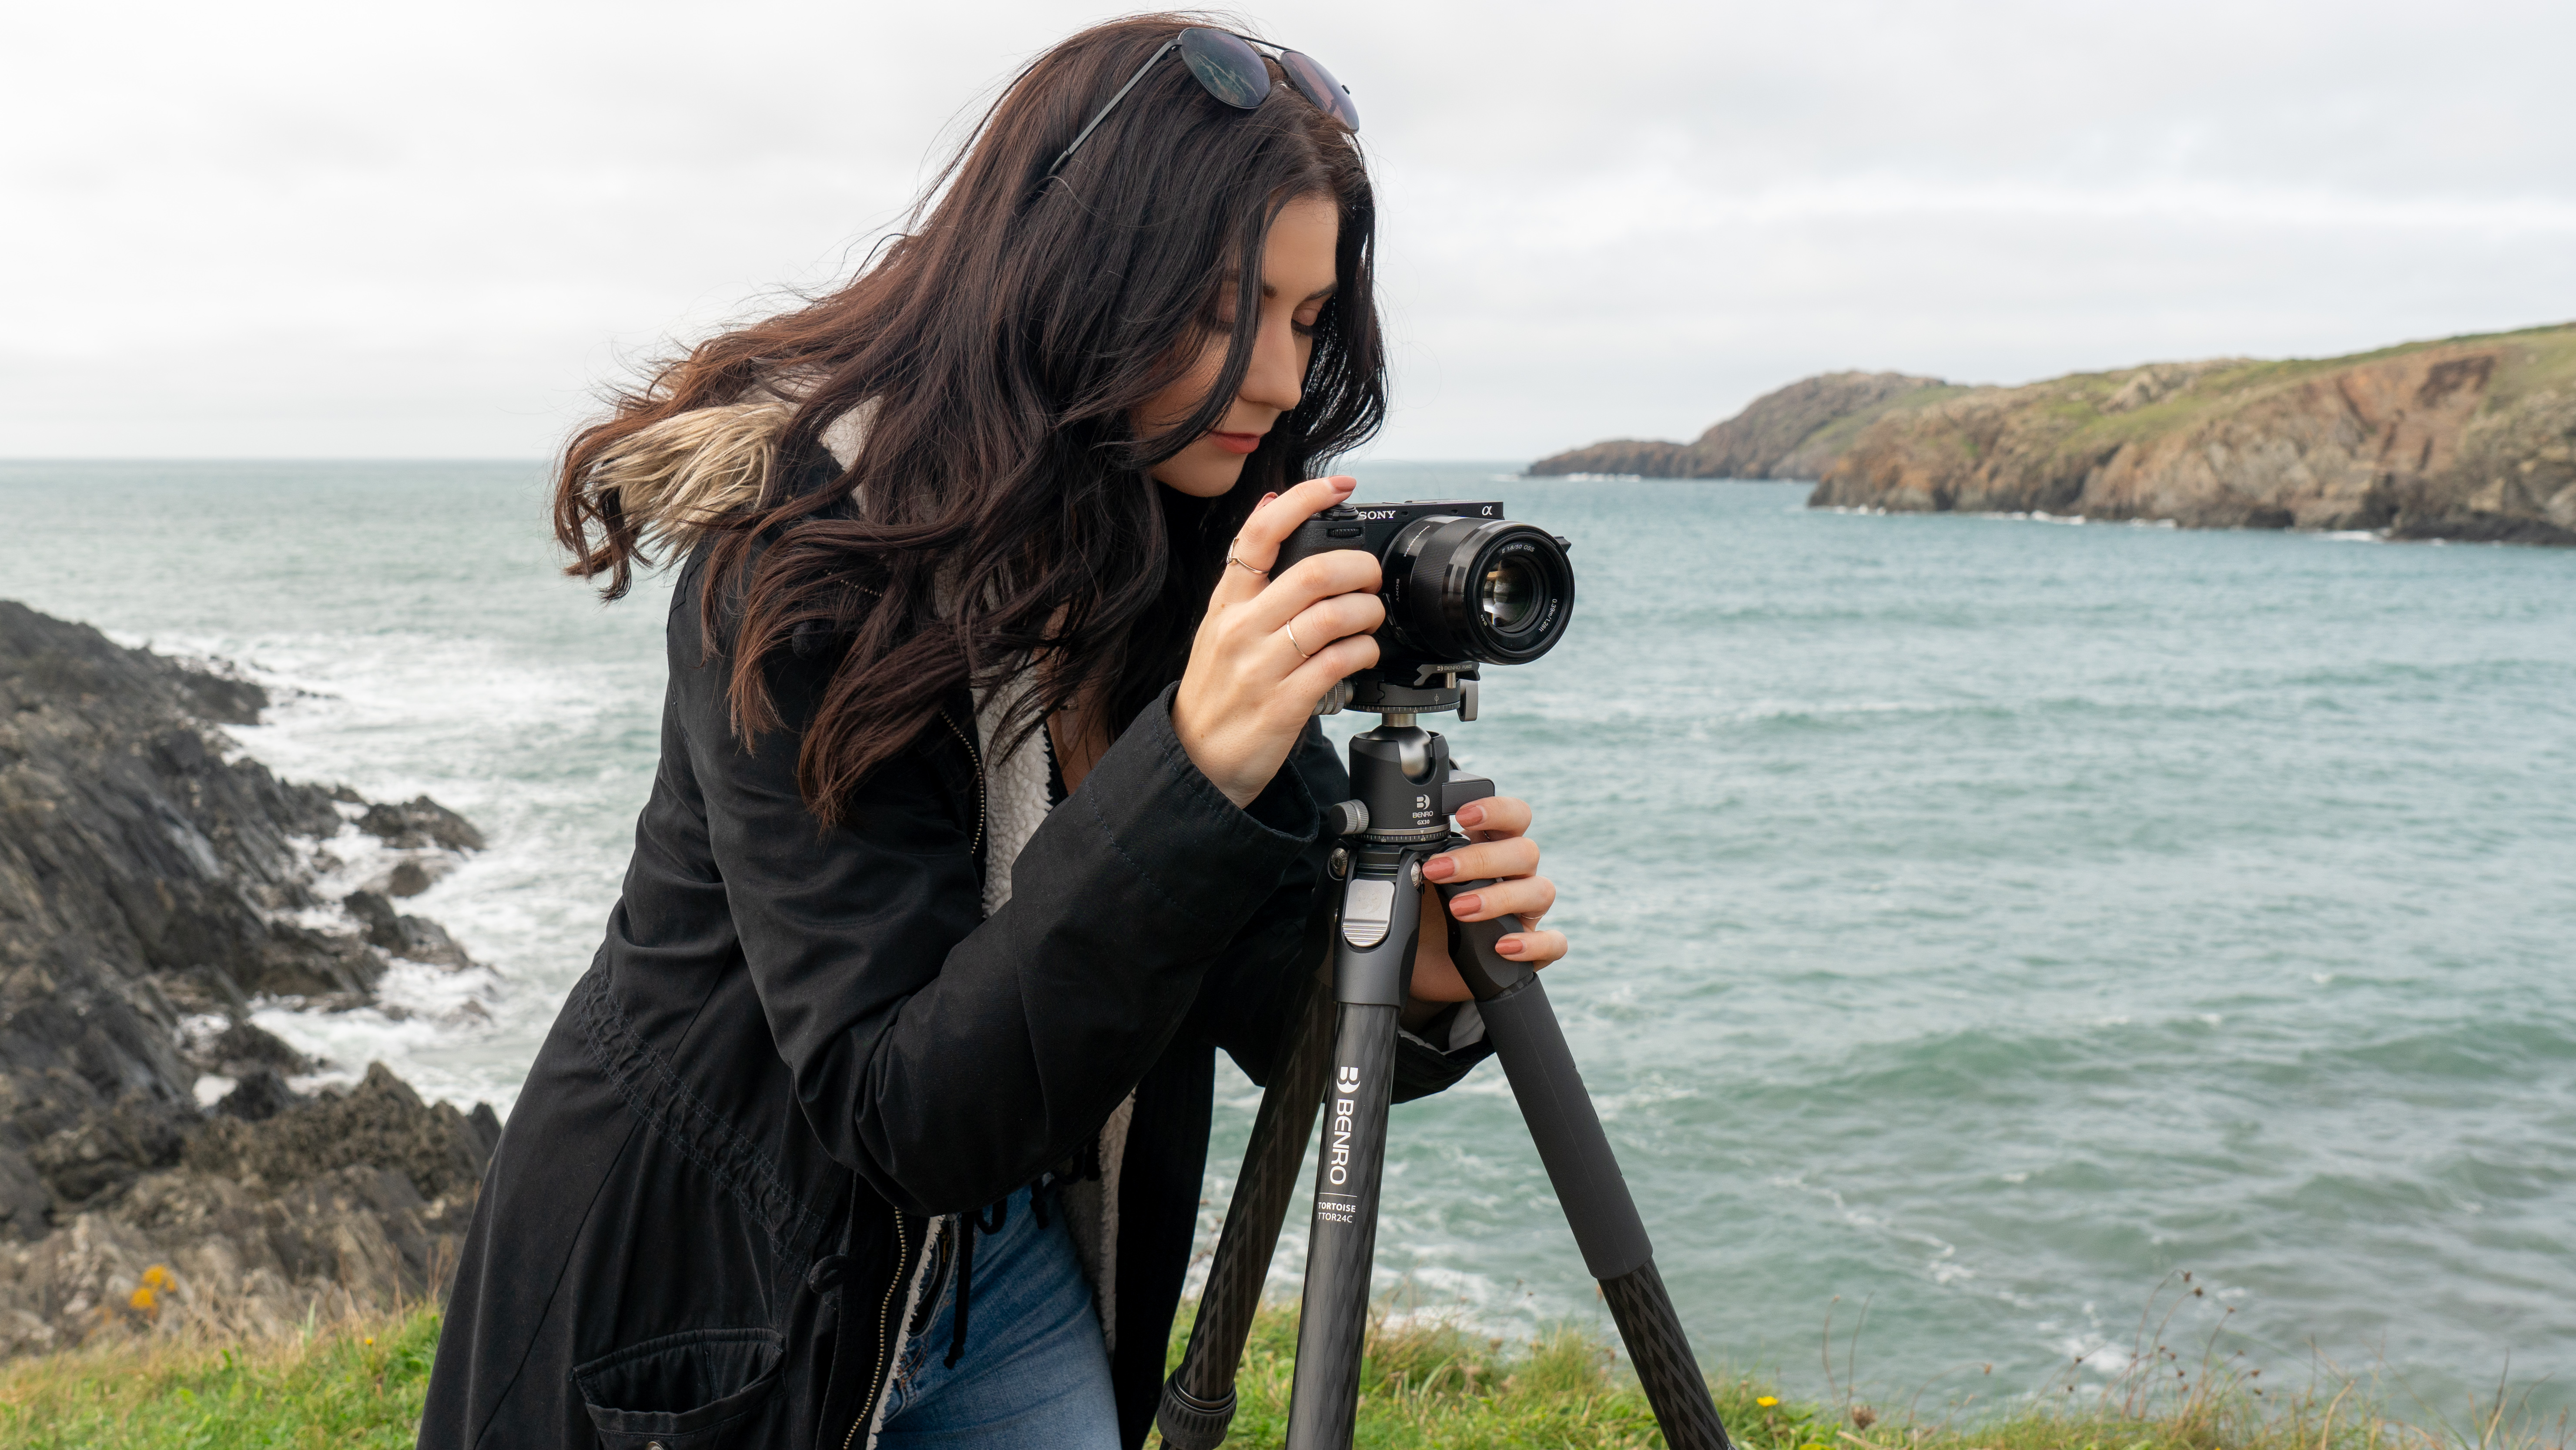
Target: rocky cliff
x=153 y=886
x=1796 y=432
x=2470 y=438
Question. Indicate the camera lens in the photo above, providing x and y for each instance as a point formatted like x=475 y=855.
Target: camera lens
x=1487 y=590
x=1509 y=595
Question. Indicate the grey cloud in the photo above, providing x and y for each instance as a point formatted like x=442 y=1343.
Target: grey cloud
x=322 y=229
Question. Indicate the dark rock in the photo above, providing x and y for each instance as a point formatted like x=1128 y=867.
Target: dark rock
x=411 y=937
x=26 y=1200
x=408 y=878
x=1643 y=457
x=244 y=1048
x=143 y=877
x=258 y=1096
x=487 y=1127
x=356 y=1200
x=138 y=872
x=1796 y=432
x=381 y=1123
x=103 y=1154
x=298 y=961
x=216 y=691
x=420 y=822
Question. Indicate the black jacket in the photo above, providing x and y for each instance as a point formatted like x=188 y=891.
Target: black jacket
x=798 y=1046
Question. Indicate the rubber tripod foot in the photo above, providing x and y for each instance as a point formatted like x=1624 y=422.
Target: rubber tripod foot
x=1190 y=1423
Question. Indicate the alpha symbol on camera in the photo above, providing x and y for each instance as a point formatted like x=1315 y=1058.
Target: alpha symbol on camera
x=1348 y=1081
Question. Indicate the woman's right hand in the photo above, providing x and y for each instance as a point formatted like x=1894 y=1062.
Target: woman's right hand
x=1270 y=648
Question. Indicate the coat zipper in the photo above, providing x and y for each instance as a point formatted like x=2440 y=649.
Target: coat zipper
x=885 y=1341
x=977 y=757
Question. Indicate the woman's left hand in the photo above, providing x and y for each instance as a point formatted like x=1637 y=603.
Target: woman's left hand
x=1500 y=847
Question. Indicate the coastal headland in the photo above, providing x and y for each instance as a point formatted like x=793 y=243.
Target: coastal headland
x=158 y=1166
x=2467 y=438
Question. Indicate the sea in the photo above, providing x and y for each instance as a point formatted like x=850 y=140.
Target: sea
x=1979 y=923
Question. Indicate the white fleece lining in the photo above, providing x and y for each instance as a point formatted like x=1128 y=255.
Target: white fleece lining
x=1103 y=1260
x=1015 y=788
x=1016 y=804
x=843 y=436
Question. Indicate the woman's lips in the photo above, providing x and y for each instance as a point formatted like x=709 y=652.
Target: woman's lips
x=1237 y=442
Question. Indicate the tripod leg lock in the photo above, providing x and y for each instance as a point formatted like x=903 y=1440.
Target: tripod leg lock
x=1190 y=1423
x=1488 y=973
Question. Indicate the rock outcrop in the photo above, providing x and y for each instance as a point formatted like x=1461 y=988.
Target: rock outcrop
x=153 y=886
x=2470 y=438
x=1797 y=432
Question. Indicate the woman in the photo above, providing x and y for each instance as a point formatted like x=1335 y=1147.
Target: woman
x=989 y=797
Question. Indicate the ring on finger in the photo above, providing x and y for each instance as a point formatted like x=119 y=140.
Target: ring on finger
x=1290 y=629
x=1238 y=563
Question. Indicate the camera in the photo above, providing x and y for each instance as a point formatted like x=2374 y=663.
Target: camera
x=1464 y=587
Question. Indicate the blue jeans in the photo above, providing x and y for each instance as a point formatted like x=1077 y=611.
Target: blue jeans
x=1035 y=1373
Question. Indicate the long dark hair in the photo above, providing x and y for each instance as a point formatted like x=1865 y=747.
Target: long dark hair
x=998 y=509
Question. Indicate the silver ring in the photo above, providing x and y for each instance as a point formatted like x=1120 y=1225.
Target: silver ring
x=1246 y=568
x=1290 y=629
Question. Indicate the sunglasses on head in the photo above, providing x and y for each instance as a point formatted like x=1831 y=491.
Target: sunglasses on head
x=1230 y=68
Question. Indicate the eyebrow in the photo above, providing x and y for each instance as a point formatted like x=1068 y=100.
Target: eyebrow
x=1318 y=295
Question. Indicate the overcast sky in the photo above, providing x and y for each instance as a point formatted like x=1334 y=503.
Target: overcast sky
x=266 y=229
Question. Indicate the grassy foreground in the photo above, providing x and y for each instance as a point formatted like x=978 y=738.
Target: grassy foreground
x=1426 y=1385
x=353 y=1384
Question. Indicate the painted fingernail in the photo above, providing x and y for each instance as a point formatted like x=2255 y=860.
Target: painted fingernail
x=1467 y=905
x=1439 y=868
x=1471 y=816
x=1345 y=485
x=1510 y=946
x=1265 y=500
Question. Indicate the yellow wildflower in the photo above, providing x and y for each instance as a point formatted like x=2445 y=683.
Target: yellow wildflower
x=157 y=1280
x=1768 y=1402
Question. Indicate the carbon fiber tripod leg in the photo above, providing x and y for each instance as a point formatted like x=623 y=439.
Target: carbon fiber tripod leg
x=1566 y=1129
x=1576 y=1154
x=1198 y=1400
x=1379 y=925
x=1332 y=1319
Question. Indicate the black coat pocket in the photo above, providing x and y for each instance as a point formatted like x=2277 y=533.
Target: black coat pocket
x=704 y=1389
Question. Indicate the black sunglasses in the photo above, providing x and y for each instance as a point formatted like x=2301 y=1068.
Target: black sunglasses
x=1231 y=69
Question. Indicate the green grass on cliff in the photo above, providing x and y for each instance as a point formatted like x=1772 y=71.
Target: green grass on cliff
x=358 y=1385
x=2538 y=357
x=1839 y=434
x=1425 y=1385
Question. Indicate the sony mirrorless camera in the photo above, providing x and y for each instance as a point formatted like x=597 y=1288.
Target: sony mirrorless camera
x=1464 y=587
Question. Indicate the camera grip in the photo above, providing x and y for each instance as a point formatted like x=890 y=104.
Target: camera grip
x=1487 y=972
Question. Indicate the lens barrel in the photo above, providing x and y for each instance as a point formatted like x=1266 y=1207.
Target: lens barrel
x=1488 y=590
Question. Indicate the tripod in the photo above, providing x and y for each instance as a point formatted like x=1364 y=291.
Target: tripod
x=1342 y=1057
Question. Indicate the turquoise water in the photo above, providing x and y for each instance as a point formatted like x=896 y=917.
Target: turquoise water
x=1979 y=918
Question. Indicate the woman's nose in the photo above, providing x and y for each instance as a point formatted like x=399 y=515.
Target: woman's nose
x=1277 y=377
